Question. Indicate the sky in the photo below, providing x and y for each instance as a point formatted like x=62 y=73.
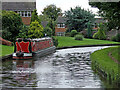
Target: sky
x=64 y=5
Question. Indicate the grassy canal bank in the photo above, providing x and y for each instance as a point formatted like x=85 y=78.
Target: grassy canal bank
x=62 y=42
x=70 y=41
x=6 y=50
x=106 y=62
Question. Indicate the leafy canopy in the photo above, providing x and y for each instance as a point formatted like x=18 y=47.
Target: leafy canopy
x=109 y=10
x=34 y=16
x=36 y=30
x=78 y=18
x=52 y=11
x=11 y=24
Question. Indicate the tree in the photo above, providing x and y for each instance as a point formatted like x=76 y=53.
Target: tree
x=48 y=31
x=110 y=11
x=52 y=24
x=36 y=30
x=100 y=34
x=52 y=12
x=35 y=16
x=89 y=30
x=43 y=18
x=11 y=24
x=23 y=32
x=78 y=18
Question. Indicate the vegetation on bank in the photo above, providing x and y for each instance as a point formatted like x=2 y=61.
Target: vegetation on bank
x=6 y=50
x=105 y=65
x=70 y=41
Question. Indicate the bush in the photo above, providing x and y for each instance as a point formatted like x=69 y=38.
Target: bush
x=100 y=34
x=23 y=32
x=73 y=33
x=78 y=37
x=67 y=34
x=113 y=38
x=116 y=38
x=48 y=31
x=55 y=41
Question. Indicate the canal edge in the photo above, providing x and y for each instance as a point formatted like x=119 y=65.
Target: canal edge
x=10 y=55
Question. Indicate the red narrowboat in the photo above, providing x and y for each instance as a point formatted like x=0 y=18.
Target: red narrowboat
x=27 y=48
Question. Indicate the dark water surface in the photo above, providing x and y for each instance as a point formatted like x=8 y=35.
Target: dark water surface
x=66 y=68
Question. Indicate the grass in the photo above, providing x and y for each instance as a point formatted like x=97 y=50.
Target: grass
x=105 y=62
x=70 y=41
x=6 y=50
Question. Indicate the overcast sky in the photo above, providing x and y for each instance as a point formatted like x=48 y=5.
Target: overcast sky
x=64 y=4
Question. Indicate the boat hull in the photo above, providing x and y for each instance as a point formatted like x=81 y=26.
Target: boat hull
x=36 y=54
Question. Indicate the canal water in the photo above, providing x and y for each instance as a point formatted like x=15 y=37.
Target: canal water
x=66 y=68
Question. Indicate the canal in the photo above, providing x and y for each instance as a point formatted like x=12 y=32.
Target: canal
x=66 y=68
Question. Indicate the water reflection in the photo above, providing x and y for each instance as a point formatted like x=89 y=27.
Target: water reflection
x=20 y=74
x=67 y=68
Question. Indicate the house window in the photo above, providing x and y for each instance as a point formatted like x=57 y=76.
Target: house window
x=61 y=25
x=26 y=14
x=23 y=14
x=60 y=33
x=29 y=13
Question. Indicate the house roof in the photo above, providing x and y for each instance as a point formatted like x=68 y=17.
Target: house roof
x=61 y=19
x=18 y=6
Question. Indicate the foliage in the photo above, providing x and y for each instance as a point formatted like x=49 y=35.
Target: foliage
x=7 y=35
x=109 y=10
x=89 y=30
x=48 y=31
x=43 y=18
x=52 y=12
x=23 y=32
x=52 y=24
x=36 y=30
x=78 y=18
x=55 y=41
x=78 y=37
x=100 y=34
x=67 y=34
x=35 y=16
x=73 y=33
x=11 y=24
x=116 y=38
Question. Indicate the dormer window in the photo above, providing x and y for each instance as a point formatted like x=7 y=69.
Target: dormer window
x=61 y=25
x=24 y=13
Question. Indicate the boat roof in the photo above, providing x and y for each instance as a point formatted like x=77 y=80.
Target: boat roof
x=39 y=39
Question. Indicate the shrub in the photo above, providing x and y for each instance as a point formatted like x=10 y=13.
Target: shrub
x=116 y=38
x=67 y=34
x=78 y=37
x=73 y=33
x=35 y=30
x=100 y=34
x=55 y=41
x=48 y=31
x=113 y=38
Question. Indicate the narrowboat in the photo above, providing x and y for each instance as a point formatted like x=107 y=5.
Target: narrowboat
x=28 y=48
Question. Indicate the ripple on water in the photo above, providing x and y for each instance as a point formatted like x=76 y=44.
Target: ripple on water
x=67 y=68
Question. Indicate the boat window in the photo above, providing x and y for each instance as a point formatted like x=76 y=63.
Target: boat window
x=19 y=40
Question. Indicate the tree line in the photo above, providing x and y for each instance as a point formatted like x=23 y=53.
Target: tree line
x=76 y=19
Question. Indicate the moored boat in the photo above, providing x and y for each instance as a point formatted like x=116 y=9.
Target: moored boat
x=27 y=48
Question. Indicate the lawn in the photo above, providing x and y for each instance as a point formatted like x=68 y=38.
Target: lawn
x=69 y=41
x=104 y=61
x=6 y=50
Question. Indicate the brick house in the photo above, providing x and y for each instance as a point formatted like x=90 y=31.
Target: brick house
x=24 y=9
x=60 y=27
